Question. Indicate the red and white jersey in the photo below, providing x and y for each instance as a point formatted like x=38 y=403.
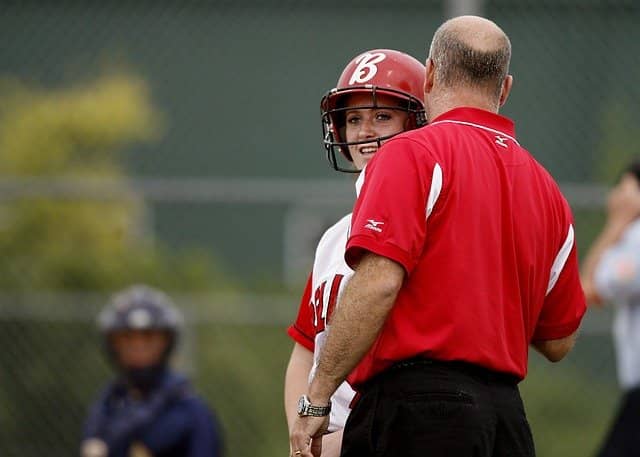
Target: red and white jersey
x=324 y=287
x=485 y=237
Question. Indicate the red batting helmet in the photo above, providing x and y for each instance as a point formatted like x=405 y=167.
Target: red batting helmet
x=379 y=71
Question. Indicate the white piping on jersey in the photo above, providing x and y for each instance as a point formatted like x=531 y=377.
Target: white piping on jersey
x=471 y=124
x=436 y=187
x=561 y=259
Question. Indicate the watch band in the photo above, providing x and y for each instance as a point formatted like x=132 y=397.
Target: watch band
x=313 y=410
x=305 y=408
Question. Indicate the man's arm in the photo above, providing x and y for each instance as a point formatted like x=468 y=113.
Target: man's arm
x=607 y=238
x=623 y=207
x=360 y=314
x=555 y=350
x=359 y=317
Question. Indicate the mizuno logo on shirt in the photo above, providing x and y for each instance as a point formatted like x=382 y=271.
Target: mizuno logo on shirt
x=500 y=141
x=373 y=225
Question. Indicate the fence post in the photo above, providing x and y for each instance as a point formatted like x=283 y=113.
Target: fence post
x=454 y=8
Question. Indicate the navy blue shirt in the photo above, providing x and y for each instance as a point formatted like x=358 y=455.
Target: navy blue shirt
x=170 y=422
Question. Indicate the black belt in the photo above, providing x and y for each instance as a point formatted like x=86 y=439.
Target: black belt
x=458 y=366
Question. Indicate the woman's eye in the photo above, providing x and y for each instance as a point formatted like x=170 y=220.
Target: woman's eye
x=353 y=119
x=383 y=116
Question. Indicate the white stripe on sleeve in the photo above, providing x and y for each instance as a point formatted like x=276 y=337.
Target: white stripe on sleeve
x=561 y=259
x=436 y=187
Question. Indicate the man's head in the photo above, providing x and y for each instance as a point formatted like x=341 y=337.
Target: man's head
x=379 y=94
x=140 y=327
x=469 y=59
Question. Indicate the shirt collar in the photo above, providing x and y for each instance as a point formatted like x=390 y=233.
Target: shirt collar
x=479 y=117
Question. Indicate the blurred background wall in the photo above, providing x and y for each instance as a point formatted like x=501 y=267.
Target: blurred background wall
x=179 y=144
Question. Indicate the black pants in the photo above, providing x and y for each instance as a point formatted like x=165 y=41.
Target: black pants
x=623 y=439
x=435 y=409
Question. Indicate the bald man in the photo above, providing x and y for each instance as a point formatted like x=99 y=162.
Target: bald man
x=464 y=256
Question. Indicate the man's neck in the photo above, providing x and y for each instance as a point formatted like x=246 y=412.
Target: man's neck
x=442 y=102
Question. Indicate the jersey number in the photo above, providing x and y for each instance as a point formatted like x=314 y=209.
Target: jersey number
x=320 y=315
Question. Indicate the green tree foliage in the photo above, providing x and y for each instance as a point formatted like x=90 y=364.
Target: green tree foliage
x=71 y=243
x=77 y=243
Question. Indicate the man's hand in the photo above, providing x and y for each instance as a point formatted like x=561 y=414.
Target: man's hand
x=305 y=439
x=623 y=205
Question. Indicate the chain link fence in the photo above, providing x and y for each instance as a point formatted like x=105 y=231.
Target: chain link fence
x=235 y=349
x=239 y=83
x=238 y=171
x=53 y=365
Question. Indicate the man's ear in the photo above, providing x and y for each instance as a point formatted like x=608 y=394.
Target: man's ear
x=506 y=89
x=429 y=75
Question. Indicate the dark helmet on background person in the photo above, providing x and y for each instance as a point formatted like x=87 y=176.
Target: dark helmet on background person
x=140 y=308
x=378 y=71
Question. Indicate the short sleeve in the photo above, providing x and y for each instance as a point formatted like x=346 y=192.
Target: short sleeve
x=564 y=305
x=302 y=330
x=389 y=217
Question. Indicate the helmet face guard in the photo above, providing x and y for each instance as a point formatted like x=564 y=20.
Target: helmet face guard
x=334 y=121
x=377 y=72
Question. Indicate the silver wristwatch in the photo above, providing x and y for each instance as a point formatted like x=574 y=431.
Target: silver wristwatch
x=305 y=408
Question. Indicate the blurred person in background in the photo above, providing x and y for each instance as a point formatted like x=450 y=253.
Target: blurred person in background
x=611 y=274
x=378 y=95
x=148 y=410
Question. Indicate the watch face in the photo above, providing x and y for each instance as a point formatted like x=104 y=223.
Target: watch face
x=301 y=404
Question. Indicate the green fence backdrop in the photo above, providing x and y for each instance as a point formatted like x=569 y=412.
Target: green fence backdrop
x=179 y=143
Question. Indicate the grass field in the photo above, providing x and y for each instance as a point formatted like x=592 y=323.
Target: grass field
x=239 y=370
x=569 y=404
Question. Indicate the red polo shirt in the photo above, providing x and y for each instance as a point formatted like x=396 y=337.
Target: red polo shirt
x=486 y=239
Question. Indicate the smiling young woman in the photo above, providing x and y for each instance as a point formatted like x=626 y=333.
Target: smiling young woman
x=378 y=95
